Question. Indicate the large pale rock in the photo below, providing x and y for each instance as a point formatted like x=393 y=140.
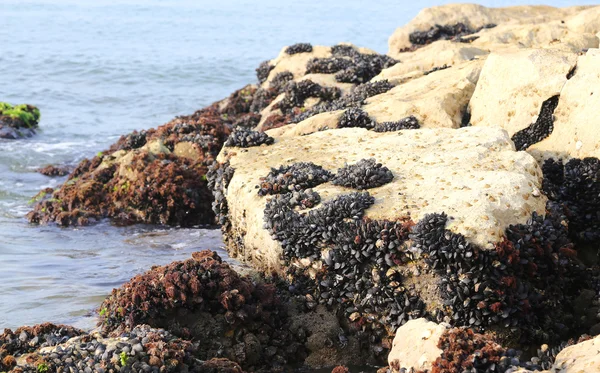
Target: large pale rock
x=473 y=174
x=416 y=345
x=552 y=35
x=474 y=16
x=577 y=124
x=443 y=52
x=582 y=357
x=436 y=100
x=514 y=84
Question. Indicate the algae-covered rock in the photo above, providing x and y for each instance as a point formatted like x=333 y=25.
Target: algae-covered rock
x=18 y=121
x=204 y=299
x=155 y=176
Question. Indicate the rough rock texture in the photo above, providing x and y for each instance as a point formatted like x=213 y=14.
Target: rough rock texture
x=416 y=345
x=18 y=121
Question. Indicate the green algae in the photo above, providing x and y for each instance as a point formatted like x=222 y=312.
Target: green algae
x=29 y=115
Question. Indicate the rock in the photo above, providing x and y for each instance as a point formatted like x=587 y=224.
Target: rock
x=443 y=52
x=474 y=17
x=582 y=357
x=416 y=345
x=575 y=132
x=52 y=170
x=513 y=86
x=18 y=121
x=436 y=100
x=428 y=157
x=516 y=89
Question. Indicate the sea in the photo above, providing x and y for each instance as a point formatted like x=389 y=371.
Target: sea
x=98 y=69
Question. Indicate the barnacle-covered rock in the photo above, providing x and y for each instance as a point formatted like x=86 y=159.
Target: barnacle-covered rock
x=18 y=121
x=364 y=174
x=52 y=170
x=203 y=299
x=424 y=346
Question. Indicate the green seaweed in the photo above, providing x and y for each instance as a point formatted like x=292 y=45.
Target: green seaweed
x=28 y=114
x=37 y=198
x=124 y=358
x=42 y=368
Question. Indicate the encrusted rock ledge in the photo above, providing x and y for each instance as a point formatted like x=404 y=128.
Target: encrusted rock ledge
x=441 y=202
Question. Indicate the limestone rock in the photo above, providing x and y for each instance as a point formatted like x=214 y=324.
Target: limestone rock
x=576 y=125
x=582 y=357
x=514 y=84
x=416 y=345
x=436 y=100
x=443 y=52
x=473 y=174
x=474 y=16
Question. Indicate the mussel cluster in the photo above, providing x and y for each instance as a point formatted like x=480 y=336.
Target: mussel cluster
x=299 y=48
x=575 y=186
x=364 y=174
x=517 y=285
x=295 y=177
x=263 y=70
x=540 y=129
x=443 y=32
x=355 y=99
x=408 y=123
x=359 y=258
x=245 y=138
x=349 y=65
x=219 y=175
x=297 y=92
x=356 y=117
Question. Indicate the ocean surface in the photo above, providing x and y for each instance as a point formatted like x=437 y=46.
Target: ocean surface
x=98 y=69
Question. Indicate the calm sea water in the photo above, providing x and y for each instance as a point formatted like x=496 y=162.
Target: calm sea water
x=98 y=69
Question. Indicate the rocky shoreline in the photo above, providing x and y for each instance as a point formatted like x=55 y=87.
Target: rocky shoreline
x=435 y=209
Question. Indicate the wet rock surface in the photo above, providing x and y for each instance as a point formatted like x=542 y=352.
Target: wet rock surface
x=19 y=121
